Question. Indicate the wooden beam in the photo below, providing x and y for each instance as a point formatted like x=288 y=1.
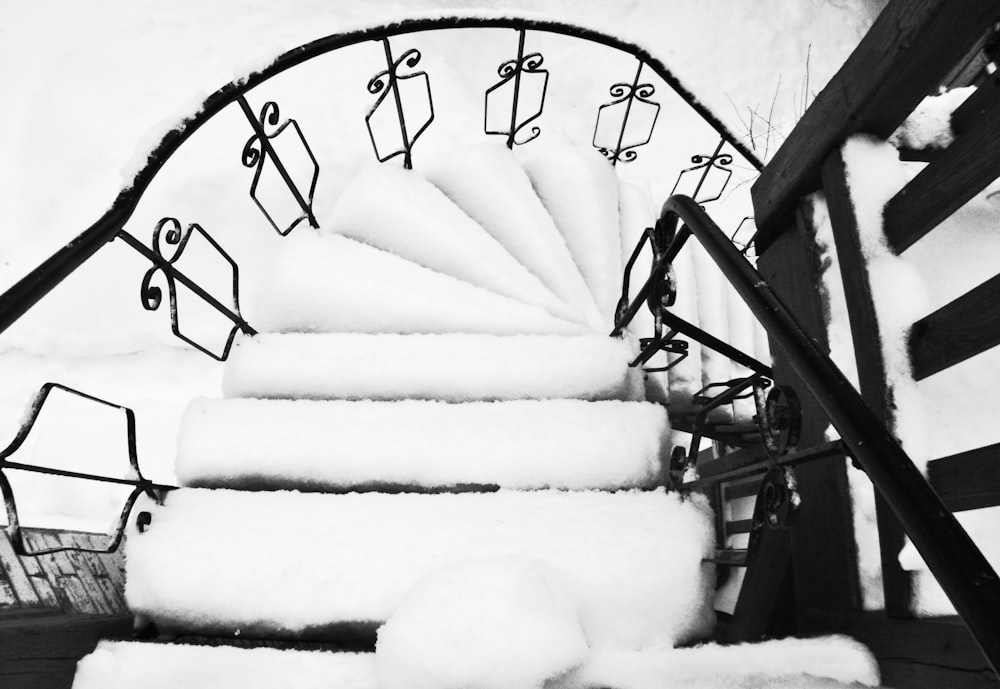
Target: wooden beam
x=958 y=173
x=41 y=651
x=909 y=50
x=865 y=335
x=914 y=654
x=978 y=105
x=957 y=331
x=969 y=480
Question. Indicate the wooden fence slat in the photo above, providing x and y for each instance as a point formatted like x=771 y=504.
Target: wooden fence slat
x=969 y=480
x=960 y=172
x=957 y=331
x=909 y=50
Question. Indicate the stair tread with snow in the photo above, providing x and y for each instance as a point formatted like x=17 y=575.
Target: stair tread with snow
x=341 y=445
x=822 y=663
x=307 y=562
x=453 y=367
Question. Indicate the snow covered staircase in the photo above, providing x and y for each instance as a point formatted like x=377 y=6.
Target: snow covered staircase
x=439 y=402
x=433 y=402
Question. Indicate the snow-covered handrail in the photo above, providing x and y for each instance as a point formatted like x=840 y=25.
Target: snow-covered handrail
x=23 y=295
x=954 y=559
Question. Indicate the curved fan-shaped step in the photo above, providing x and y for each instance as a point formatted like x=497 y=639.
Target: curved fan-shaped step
x=580 y=192
x=339 y=445
x=450 y=367
x=334 y=284
x=308 y=561
x=489 y=184
x=399 y=211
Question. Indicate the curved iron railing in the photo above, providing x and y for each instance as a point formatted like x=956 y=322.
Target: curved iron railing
x=20 y=297
x=519 y=96
x=953 y=558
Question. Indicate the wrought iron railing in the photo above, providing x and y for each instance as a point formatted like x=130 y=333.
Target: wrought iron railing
x=955 y=561
x=512 y=108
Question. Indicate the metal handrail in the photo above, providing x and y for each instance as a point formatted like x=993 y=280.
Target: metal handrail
x=17 y=300
x=953 y=558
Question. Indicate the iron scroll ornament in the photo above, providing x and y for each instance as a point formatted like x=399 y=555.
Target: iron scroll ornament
x=387 y=81
x=259 y=149
x=705 y=164
x=513 y=74
x=164 y=263
x=629 y=99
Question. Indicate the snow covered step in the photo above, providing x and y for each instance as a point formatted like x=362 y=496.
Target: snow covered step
x=488 y=183
x=302 y=562
x=401 y=212
x=452 y=367
x=135 y=665
x=579 y=189
x=820 y=663
x=335 y=284
x=329 y=445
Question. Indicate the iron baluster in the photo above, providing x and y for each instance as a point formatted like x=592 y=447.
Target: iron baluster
x=140 y=484
x=389 y=80
x=252 y=157
x=627 y=94
x=514 y=70
x=716 y=161
x=152 y=296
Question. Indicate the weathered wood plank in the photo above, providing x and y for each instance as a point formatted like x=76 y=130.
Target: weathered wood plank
x=914 y=654
x=960 y=172
x=46 y=592
x=95 y=592
x=909 y=50
x=41 y=652
x=106 y=571
x=957 y=331
x=865 y=335
x=49 y=572
x=16 y=574
x=822 y=540
x=968 y=480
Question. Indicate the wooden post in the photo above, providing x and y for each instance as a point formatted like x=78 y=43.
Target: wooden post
x=824 y=554
x=896 y=582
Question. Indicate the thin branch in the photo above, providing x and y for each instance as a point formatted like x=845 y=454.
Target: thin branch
x=770 y=115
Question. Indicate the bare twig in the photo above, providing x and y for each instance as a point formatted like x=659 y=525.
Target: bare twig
x=770 y=116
